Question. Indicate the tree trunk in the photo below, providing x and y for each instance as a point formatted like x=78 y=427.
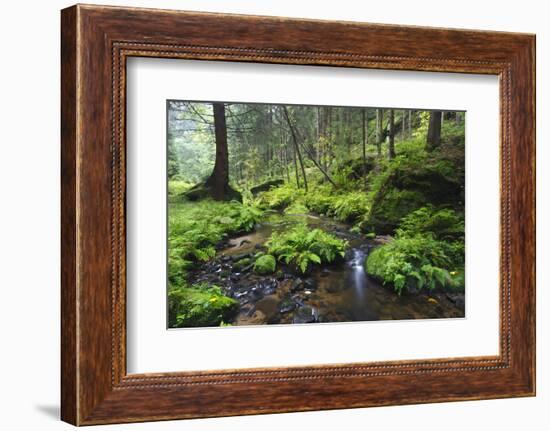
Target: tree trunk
x=312 y=158
x=410 y=124
x=379 y=132
x=348 y=129
x=403 y=125
x=219 y=179
x=434 y=130
x=294 y=139
x=365 y=138
x=391 y=144
x=295 y=166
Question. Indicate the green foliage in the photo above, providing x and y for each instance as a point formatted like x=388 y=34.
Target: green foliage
x=418 y=261
x=422 y=130
x=196 y=227
x=342 y=175
x=280 y=197
x=200 y=305
x=177 y=187
x=303 y=247
x=350 y=206
x=242 y=263
x=320 y=200
x=345 y=206
x=389 y=210
x=173 y=168
x=411 y=181
x=443 y=223
x=296 y=208
x=265 y=264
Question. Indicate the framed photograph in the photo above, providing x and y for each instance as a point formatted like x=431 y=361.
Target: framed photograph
x=326 y=214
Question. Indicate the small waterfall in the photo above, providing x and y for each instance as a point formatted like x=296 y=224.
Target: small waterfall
x=358 y=275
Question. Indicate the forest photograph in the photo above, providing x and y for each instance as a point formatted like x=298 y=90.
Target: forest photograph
x=291 y=214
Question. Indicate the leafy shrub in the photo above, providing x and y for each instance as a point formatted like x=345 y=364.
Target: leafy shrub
x=196 y=228
x=418 y=262
x=280 y=197
x=303 y=247
x=296 y=208
x=320 y=200
x=265 y=264
x=342 y=175
x=350 y=206
x=199 y=305
x=443 y=224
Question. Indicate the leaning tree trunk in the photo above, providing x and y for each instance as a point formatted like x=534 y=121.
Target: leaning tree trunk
x=434 y=131
x=391 y=133
x=295 y=140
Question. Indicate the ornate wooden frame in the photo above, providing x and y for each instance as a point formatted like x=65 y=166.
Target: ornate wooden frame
x=95 y=42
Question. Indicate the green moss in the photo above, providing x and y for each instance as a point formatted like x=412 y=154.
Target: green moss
x=266 y=186
x=199 y=306
x=205 y=190
x=265 y=264
x=177 y=188
x=388 y=210
x=242 y=263
x=409 y=184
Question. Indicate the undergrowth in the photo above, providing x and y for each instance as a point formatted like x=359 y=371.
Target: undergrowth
x=303 y=247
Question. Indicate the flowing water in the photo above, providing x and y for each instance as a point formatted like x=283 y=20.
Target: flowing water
x=341 y=292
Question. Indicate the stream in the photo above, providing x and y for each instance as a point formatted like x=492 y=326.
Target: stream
x=340 y=292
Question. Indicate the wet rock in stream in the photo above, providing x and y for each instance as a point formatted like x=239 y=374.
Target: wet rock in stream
x=297 y=284
x=240 y=256
x=305 y=314
x=310 y=284
x=335 y=293
x=325 y=272
x=457 y=299
x=287 y=305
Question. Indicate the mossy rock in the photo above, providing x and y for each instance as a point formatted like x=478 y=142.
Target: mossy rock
x=265 y=264
x=242 y=263
x=357 y=168
x=387 y=212
x=264 y=187
x=199 y=307
x=410 y=186
x=204 y=191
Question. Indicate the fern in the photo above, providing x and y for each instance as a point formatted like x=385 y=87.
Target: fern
x=420 y=262
x=303 y=247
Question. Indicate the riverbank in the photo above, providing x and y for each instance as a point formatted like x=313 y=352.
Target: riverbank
x=338 y=292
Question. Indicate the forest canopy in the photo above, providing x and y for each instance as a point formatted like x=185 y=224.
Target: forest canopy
x=318 y=184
